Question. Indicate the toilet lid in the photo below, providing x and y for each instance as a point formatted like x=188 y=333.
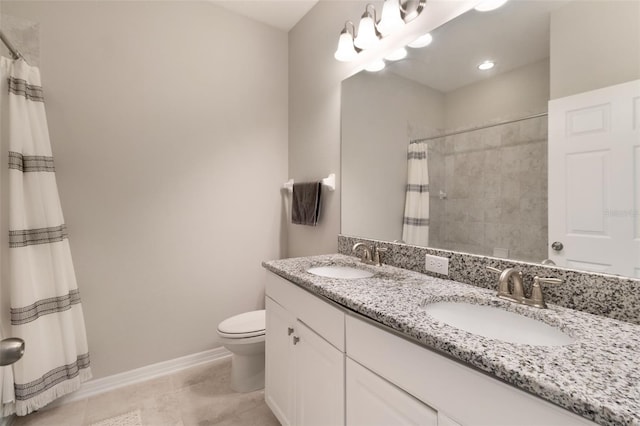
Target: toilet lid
x=247 y=323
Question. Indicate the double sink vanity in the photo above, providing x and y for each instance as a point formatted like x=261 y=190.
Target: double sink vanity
x=351 y=343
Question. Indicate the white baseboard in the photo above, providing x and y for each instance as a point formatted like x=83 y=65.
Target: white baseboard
x=106 y=384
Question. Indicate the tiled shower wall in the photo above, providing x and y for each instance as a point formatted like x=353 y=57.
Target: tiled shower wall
x=495 y=181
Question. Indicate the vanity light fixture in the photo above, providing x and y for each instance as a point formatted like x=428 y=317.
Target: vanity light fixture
x=395 y=13
x=422 y=41
x=486 y=65
x=488 y=5
x=391 y=19
x=346 y=51
x=368 y=35
x=397 y=54
x=375 y=66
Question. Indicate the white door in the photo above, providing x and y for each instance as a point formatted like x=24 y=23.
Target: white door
x=373 y=401
x=279 y=368
x=594 y=180
x=319 y=380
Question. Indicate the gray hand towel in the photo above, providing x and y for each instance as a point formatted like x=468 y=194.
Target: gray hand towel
x=305 y=203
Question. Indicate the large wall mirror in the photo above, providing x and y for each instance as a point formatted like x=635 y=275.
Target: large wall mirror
x=484 y=187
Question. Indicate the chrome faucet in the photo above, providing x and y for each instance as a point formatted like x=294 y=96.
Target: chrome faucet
x=370 y=255
x=515 y=292
x=366 y=252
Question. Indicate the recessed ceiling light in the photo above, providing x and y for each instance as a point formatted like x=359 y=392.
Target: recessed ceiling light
x=422 y=41
x=488 y=5
x=375 y=66
x=486 y=65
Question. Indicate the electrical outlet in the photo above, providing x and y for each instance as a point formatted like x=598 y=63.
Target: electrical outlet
x=437 y=264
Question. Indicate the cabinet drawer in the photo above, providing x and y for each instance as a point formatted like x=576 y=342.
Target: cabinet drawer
x=373 y=401
x=468 y=396
x=317 y=314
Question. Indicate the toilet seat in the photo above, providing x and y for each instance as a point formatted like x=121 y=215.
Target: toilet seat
x=242 y=326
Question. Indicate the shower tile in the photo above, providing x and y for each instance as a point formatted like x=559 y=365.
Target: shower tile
x=463 y=142
x=509 y=134
x=489 y=137
x=532 y=211
x=492 y=210
x=533 y=130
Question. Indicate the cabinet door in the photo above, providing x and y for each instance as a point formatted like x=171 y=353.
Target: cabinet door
x=279 y=368
x=319 y=380
x=372 y=401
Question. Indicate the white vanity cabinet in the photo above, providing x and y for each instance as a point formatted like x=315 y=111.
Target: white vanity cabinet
x=304 y=378
x=329 y=366
x=373 y=401
x=460 y=395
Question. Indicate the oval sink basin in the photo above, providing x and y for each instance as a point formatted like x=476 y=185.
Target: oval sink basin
x=343 y=272
x=496 y=323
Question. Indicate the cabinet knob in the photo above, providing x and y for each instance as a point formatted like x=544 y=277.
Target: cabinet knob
x=296 y=339
x=289 y=331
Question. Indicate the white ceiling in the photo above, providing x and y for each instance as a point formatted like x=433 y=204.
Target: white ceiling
x=281 y=14
x=515 y=35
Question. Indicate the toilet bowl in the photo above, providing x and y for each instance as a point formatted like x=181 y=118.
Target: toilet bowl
x=243 y=336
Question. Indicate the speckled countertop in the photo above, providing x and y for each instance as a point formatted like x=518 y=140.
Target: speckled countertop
x=597 y=376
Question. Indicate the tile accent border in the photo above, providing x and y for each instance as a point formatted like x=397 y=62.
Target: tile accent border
x=599 y=294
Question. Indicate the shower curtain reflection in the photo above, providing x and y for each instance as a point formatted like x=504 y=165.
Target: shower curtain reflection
x=415 y=226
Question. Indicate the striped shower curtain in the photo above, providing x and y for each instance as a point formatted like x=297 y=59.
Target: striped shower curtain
x=415 y=226
x=45 y=303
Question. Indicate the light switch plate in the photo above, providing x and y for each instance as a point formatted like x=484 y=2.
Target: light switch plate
x=437 y=264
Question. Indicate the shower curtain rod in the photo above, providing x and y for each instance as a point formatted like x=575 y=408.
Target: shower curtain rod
x=457 y=132
x=14 y=52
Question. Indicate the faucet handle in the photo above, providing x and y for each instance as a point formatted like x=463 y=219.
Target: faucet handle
x=492 y=269
x=547 y=280
x=376 y=254
x=537 y=297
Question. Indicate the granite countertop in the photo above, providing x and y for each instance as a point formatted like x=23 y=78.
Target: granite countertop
x=597 y=376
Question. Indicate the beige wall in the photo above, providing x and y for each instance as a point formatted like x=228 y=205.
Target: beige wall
x=594 y=44
x=169 y=128
x=381 y=112
x=513 y=94
x=314 y=102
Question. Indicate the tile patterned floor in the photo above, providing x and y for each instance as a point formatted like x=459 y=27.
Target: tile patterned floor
x=199 y=396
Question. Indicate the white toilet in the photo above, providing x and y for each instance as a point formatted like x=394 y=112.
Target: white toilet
x=243 y=335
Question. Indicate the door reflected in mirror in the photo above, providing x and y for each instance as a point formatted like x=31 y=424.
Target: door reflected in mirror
x=481 y=185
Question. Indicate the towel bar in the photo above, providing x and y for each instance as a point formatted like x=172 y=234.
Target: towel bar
x=329 y=183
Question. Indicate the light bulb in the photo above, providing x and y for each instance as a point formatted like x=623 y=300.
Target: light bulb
x=488 y=5
x=345 y=51
x=422 y=41
x=391 y=19
x=375 y=66
x=367 y=34
x=486 y=65
x=397 y=54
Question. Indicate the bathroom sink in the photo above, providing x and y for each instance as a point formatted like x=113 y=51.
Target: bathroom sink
x=497 y=323
x=344 y=272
